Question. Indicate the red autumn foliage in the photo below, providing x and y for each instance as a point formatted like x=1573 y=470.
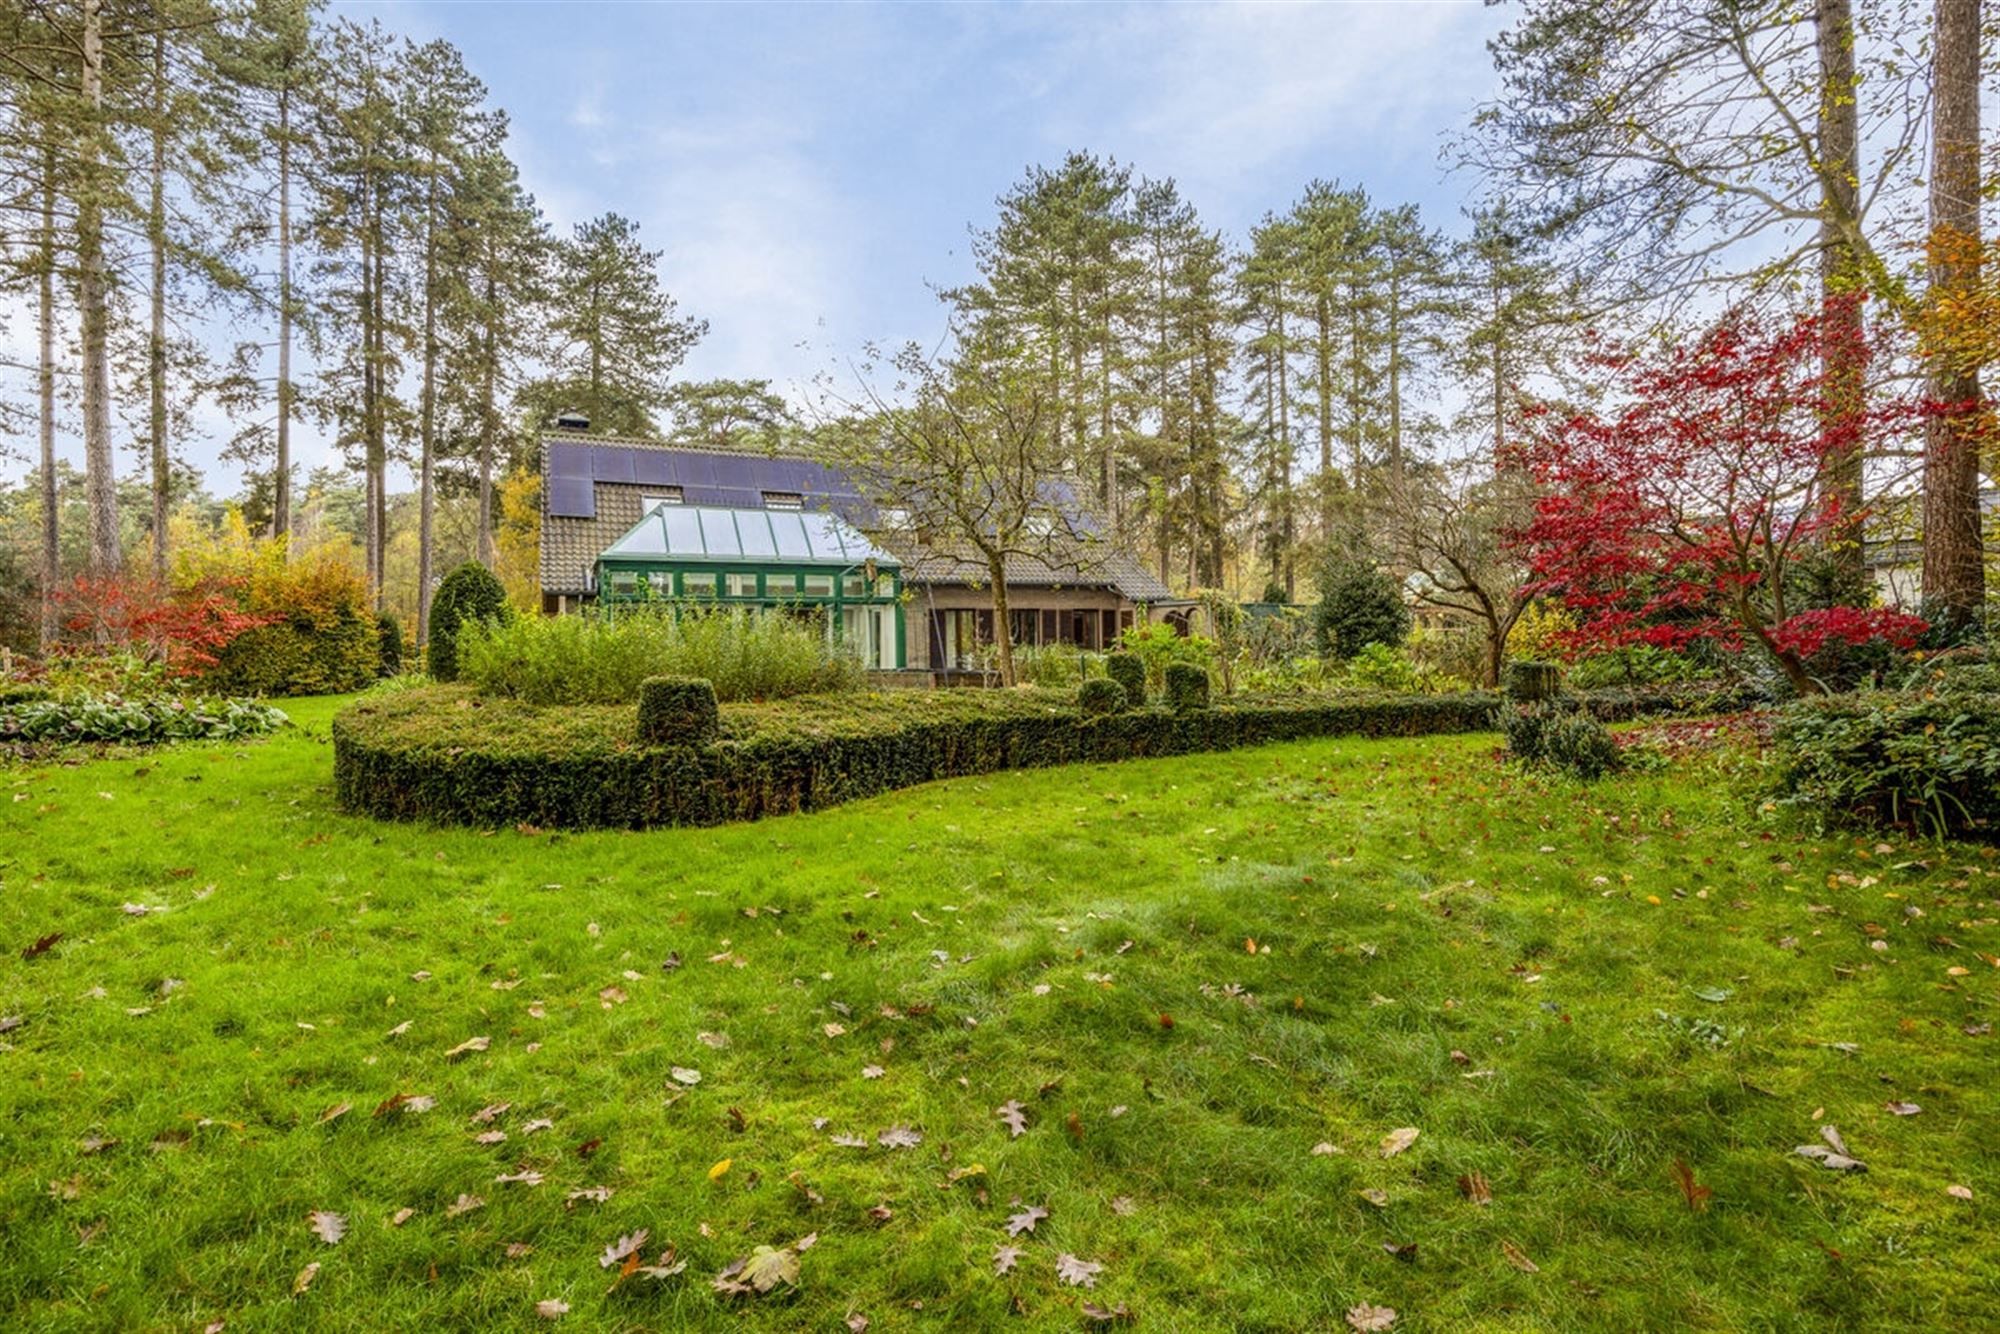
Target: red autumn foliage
x=181 y=629
x=1680 y=513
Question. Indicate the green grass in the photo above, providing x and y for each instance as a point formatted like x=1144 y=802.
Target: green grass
x=1408 y=899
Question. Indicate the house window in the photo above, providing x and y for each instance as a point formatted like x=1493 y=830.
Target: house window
x=624 y=583
x=666 y=496
x=857 y=586
x=784 y=500
x=698 y=585
x=817 y=585
x=742 y=585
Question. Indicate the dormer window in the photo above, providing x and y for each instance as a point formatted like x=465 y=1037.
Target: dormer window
x=784 y=500
x=670 y=495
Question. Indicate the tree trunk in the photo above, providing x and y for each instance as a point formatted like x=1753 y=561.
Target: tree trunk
x=1285 y=446
x=1954 y=579
x=1499 y=376
x=100 y=483
x=1395 y=332
x=1844 y=351
x=156 y=340
x=1324 y=353
x=46 y=384
x=281 y=481
x=489 y=426
x=1003 y=634
x=427 y=445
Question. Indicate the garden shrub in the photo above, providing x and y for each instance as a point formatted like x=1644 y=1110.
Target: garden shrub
x=450 y=754
x=388 y=646
x=93 y=719
x=1556 y=735
x=309 y=654
x=1054 y=666
x=22 y=692
x=1100 y=696
x=677 y=711
x=1156 y=644
x=1187 y=687
x=1358 y=606
x=1929 y=762
x=470 y=594
x=1527 y=682
x=1380 y=667
x=598 y=657
x=1129 y=672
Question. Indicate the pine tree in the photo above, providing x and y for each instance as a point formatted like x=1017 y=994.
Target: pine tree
x=615 y=334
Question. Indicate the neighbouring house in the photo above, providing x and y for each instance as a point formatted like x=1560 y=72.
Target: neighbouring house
x=629 y=520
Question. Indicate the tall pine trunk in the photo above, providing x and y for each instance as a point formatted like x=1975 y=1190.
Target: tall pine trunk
x=428 y=427
x=46 y=385
x=1954 y=578
x=94 y=316
x=156 y=336
x=489 y=426
x=281 y=489
x=1843 y=360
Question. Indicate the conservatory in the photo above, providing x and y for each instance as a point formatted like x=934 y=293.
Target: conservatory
x=796 y=561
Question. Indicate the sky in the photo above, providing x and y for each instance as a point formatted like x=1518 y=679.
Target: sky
x=811 y=171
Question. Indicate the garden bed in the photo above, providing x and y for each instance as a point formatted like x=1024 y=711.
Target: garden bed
x=451 y=755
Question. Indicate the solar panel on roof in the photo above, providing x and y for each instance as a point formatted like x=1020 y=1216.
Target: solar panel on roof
x=611 y=463
x=651 y=467
x=696 y=469
x=569 y=460
x=572 y=498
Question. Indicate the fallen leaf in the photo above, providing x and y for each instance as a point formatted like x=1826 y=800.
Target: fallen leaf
x=467 y=1047
x=464 y=1204
x=328 y=1227
x=610 y=996
x=717 y=1172
x=1375 y=1196
x=1025 y=1220
x=1106 y=1315
x=1405 y=1251
x=485 y=1115
x=1367 y=1317
x=762 y=1270
x=1005 y=1258
x=400 y=1029
x=590 y=1146
x=1123 y=1206
x=1827 y=1158
x=335 y=1112
x=856 y=1322
x=1398 y=1140
x=550 y=1308
x=1324 y=1149
x=401 y=1216
x=1475 y=1188
x=1831 y=1134
x=1015 y=1116
x=684 y=1075
x=627 y=1244
x=881 y=1214
x=872 y=1072
x=490 y=1137
x=1077 y=1273
x=538 y=1125
x=899 y=1137
x=834 y=1030
x=525 y=1178
x=305 y=1278
x=1696 y=1194
x=42 y=946
x=1074 y=1125
x=587 y=1195
x=1959 y=1192
x=1519 y=1258
x=1901 y=1108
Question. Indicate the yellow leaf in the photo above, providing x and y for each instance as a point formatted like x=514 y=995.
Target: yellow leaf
x=716 y=1173
x=1653 y=899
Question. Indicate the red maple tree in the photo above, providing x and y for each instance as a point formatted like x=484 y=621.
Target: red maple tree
x=182 y=629
x=1683 y=511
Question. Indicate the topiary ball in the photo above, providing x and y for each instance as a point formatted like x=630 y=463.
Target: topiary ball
x=677 y=711
x=1128 y=671
x=1526 y=682
x=1100 y=696
x=1187 y=687
x=468 y=593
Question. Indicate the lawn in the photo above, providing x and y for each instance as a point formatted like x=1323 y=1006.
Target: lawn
x=1214 y=985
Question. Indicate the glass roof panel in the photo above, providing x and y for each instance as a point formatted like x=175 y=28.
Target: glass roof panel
x=683 y=527
x=755 y=527
x=709 y=534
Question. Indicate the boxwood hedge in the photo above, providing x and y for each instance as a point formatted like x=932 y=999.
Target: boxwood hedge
x=451 y=755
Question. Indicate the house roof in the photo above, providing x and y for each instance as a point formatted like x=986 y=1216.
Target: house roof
x=595 y=490
x=745 y=536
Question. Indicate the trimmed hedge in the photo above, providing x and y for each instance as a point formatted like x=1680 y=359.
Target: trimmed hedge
x=677 y=711
x=450 y=755
x=1128 y=670
x=1931 y=762
x=469 y=593
x=298 y=657
x=1560 y=735
x=389 y=646
x=1101 y=696
x=1187 y=687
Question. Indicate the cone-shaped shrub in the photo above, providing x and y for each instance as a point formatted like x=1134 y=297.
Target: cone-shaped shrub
x=1128 y=671
x=1100 y=696
x=1187 y=687
x=468 y=593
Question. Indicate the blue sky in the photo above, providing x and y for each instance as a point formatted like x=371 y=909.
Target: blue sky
x=811 y=170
